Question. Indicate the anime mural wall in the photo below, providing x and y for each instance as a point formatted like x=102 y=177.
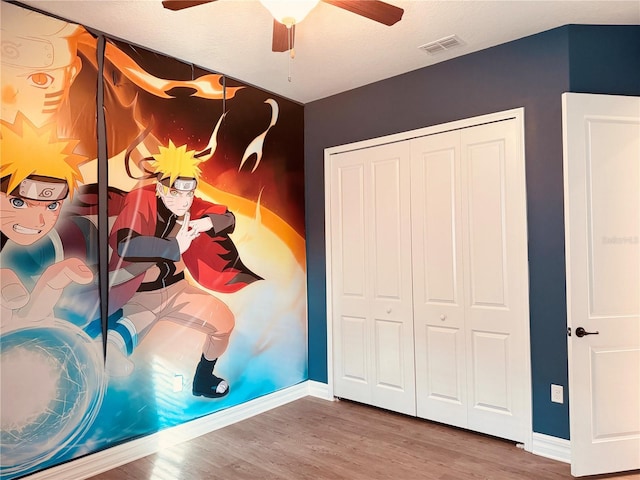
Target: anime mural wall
x=201 y=223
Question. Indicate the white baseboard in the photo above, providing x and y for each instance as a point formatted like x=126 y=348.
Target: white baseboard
x=104 y=460
x=319 y=390
x=551 y=447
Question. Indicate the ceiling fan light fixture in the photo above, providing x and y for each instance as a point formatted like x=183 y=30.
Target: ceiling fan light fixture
x=289 y=12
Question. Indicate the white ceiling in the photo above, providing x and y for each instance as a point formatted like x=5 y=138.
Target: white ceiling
x=335 y=50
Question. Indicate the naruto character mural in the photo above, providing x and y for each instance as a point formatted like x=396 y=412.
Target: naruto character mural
x=49 y=74
x=39 y=64
x=162 y=231
x=194 y=159
x=37 y=174
x=51 y=373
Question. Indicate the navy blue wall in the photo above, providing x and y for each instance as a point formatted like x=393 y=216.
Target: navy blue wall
x=532 y=73
x=604 y=59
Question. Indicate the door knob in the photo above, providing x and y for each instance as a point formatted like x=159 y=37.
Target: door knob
x=443 y=317
x=581 y=332
x=388 y=309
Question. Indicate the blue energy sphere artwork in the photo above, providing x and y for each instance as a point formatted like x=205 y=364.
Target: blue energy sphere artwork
x=52 y=385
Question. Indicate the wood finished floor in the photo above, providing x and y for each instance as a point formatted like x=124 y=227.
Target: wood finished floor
x=316 y=439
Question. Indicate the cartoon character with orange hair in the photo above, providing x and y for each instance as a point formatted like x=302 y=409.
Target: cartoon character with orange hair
x=39 y=64
x=37 y=173
x=162 y=231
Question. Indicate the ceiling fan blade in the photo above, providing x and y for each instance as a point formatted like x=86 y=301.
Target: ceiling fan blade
x=180 y=4
x=375 y=10
x=281 y=36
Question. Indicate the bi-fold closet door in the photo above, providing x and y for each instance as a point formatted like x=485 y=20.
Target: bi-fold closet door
x=372 y=284
x=470 y=279
x=428 y=277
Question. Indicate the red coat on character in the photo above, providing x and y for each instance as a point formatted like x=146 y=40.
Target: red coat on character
x=212 y=259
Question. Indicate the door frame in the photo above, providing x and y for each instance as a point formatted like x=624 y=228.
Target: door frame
x=518 y=115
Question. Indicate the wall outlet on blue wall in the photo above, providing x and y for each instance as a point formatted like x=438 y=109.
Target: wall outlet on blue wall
x=557 y=393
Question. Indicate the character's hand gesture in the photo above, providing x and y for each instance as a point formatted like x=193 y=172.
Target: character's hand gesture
x=18 y=305
x=186 y=234
x=201 y=225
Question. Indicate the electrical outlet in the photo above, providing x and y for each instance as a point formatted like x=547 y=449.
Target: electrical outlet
x=177 y=382
x=557 y=393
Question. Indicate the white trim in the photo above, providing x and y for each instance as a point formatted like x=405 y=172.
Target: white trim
x=319 y=390
x=104 y=460
x=518 y=115
x=328 y=278
x=528 y=440
x=551 y=447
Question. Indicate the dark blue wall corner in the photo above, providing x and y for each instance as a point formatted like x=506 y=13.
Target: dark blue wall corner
x=316 y=271
x=604 y=59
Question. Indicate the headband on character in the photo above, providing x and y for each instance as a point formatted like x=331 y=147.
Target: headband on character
x=185 y=184
x=42 y=189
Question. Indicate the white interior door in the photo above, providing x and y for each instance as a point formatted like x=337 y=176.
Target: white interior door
x=602 y=229
x=494 y=234
x=438 y=294
x=371 y=274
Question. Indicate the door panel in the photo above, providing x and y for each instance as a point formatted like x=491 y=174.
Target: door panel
x=613 y=187
x=354 y=349
x=485 y=207
x=616 y=421
x=351 y=344
x=439 y=232
x=387 y=237
x=389 y=355
x=390 y=276
x=602 y=228
x=437 y=279
x=443 y=373
x=490 y=360
x=495 y=260
x=371 y=225
x=351 y=258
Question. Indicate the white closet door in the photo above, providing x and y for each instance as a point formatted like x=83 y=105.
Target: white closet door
x=470 y=279
x=371 y=275
x=438 y=279
x=495 y=279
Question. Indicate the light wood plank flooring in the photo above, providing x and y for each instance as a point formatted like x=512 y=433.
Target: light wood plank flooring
x=316 y=439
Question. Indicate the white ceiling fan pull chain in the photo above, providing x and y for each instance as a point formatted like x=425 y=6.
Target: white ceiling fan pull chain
x=291 y=51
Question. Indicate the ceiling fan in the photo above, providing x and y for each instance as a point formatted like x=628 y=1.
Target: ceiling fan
x=284 y=26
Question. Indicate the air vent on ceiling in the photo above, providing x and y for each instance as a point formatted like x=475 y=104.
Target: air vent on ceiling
x=441 y=45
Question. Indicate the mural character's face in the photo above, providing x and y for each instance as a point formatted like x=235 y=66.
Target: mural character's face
x=26 y=221
x=177 y=201
x=36 y=76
